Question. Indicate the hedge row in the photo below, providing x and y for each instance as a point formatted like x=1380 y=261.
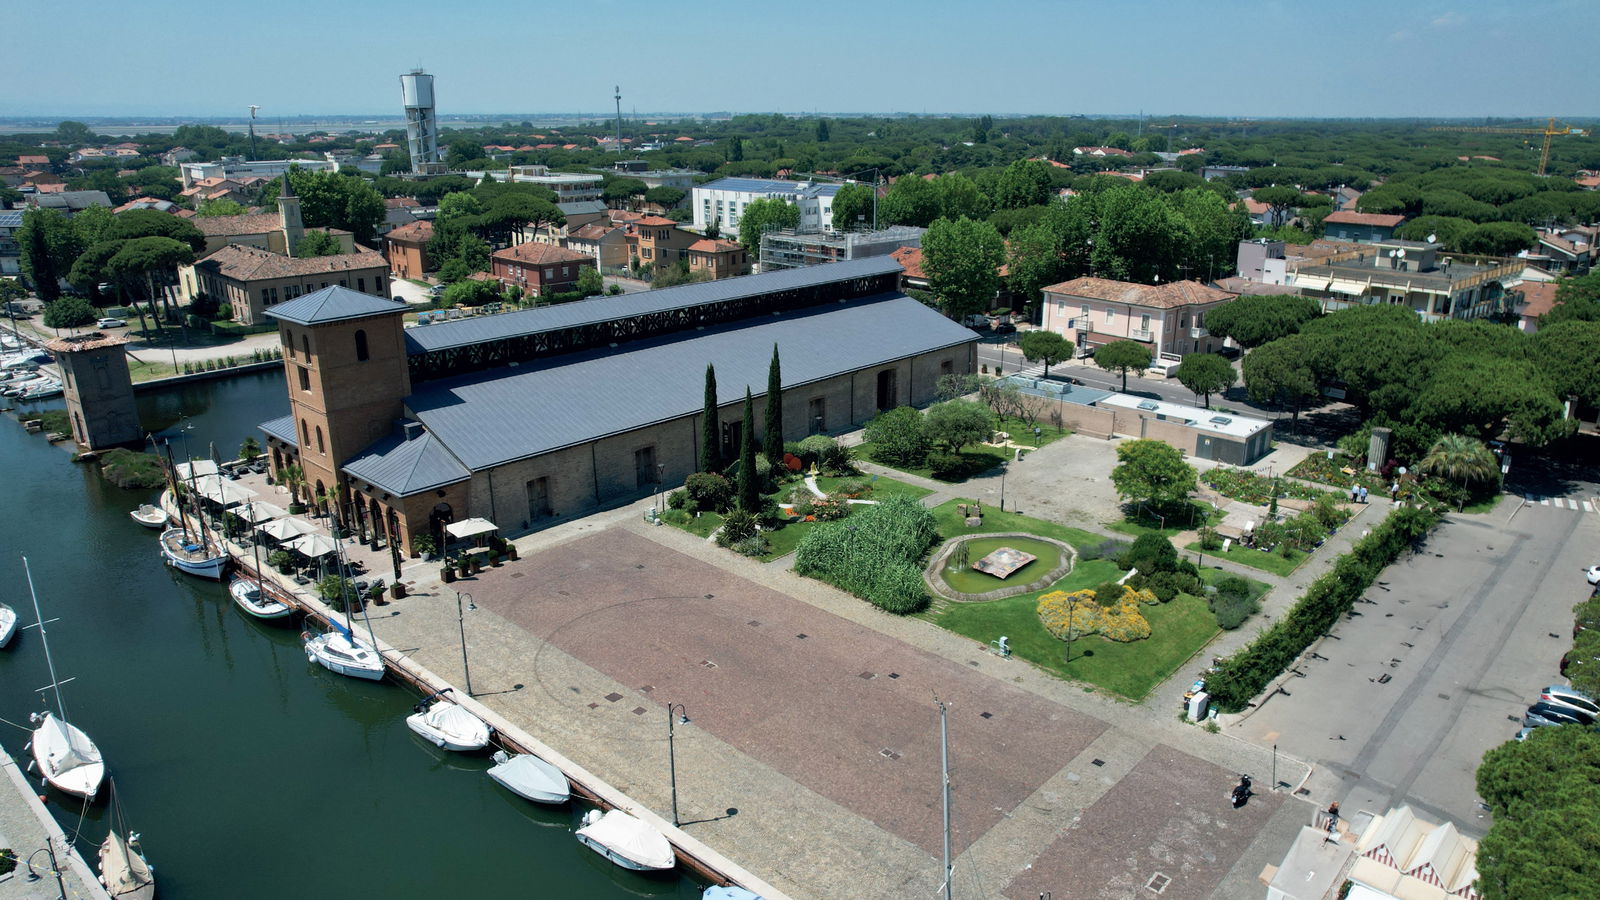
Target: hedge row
x=1247 y=672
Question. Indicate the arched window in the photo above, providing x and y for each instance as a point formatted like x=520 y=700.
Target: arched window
x=305 y=434
x=361 y=345
x=305 y=344
x=288 y=343
x=320 y=447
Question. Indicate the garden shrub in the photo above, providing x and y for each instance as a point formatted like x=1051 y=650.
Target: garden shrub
x=945 y=465
x=678 y=499
x=1108 y=593
x=1241 y=676
x=755 y=545
x=1152 y=553
x=1209 y=539
x=810 y=449
x=738 y=526
x=829 y=510
x=1232 y=586
x=876 y=555
x=836 y=460
x=708 y=492
x=898 y=437
x=1328 y=512
x=1086 y=614
x=803 y=501
x=1166 y=585
x=1231 y=612
x=1248 y=487
x=855 y=489
x=675 y=517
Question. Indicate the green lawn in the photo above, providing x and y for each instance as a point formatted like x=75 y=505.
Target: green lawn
x=1255 y=559
x=1212 y=574
x=139 y=370
x=882 y=486
x=951 y=525
x=1148 y=523
x=975 y=460
x=1483 y=506
x=1022 y=432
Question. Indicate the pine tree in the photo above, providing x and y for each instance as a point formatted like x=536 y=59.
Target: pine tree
x=772 y=435
x=41 y=265
x=749 y=485
x=709 y=457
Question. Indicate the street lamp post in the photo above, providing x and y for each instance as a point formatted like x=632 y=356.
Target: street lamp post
x=461 y=622
x=1002 y=485
x=672 y=753
x=661 y=477
x=55 y=868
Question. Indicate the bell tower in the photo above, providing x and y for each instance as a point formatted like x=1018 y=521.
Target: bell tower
x=344 y=356
x=289 y=217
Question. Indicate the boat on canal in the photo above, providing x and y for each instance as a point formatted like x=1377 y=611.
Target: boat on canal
x=626 y=841
x=192 y=557
x=124 y=871
x=247 y=592
x=341 y=651
x=447 y=724
x=530 y=777
x=149 y=515
x=8 y=624
x=65 y=756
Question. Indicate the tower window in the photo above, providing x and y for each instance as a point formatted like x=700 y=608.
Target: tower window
x=305 y=378
x=305 y=434
x=305 y=344
x=361 y=345
x=321 y=448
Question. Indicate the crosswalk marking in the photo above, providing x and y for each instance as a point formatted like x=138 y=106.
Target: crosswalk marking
x=1560 y=502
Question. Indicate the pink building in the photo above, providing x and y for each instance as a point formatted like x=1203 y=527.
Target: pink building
x=1093 y=312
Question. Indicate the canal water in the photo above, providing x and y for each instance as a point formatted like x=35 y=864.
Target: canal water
x=248 y=771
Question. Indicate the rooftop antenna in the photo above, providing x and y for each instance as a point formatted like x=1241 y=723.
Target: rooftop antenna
x=618 y=90
x=253 y=108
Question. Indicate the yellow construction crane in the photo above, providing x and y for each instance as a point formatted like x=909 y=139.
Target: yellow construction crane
x=1551 y=130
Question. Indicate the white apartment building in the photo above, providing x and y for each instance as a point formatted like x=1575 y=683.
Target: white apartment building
x=569 y=187
x=723 y=201
x=239 y=167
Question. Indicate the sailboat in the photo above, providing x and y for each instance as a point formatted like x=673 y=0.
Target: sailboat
x=8 y=624
x=124 y=871
x=254 y=594
x=192 y=554
x=340 y=650
x=65 y=756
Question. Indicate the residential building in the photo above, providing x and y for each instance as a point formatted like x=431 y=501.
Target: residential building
x=406 y=248
x=719 y=258
x=10 y=250
x=176 y=156
x=155 y=203
x=1567 y=250
x=640 y=169
x=721 y=202
x=1100 y=152
x=535 y=417
x=912 y=277
x=1413 y=274
x=1224 y=437
x=1530 y=299
x=1263 y=261
x=539 y=269
x=1169 y=318
x=252 y=279
x=1212 y=173
x=218 y=189
x=606 y=243
x=263 y=230
x=235 y=166
x=69 y=202
x=578 y=214
x=658 y=242
x=569 y=187
x=789 y=248
x=1363 y=228
x=32 y=160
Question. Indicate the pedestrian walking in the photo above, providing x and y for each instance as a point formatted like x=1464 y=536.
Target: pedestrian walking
x=1363 y=493
x=1394 y=490
x=1354 y=493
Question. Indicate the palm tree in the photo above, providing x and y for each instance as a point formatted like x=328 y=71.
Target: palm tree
x=1461 y=459
x=292 y=477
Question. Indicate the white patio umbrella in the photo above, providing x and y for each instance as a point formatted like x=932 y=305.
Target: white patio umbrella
x=312 y=545
x=259 y=511
x=286 y=529
x=219 y=490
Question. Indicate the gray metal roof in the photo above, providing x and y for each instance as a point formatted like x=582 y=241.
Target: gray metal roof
x=516 y=413
x=403 y=467
x=479 y=329
x=281 y=428
x=333 y=304
x=581 y=207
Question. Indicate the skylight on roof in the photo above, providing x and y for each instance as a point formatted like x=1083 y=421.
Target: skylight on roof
x=1221 y=420
x=1149 y=405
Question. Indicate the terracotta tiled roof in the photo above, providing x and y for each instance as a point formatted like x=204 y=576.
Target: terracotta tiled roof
x=707 y=245
x=540 y=254
x=400 y=203
x=244 y=263
x=229 y=226
x=910 y=259
x=419 y=232
x=594 y=231
x=1256 y=207
x=1537 y=298
x=654 y=220
x=147 y=203
x=1349 y=217
x=1156 y=296
x=57 y=188
x=33 y=160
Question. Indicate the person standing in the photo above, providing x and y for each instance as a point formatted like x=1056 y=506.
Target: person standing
x=1354 y=493
x=1394 y=490
x=1363 y=493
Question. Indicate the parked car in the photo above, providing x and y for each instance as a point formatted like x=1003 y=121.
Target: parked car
x=1561 y=695
x=1593 y=574
x=110 y=323
x=1542 y=714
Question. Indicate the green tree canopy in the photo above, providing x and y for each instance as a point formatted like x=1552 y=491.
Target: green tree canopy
x=68 y=312
x=210 y=209
x=49 y=245
x=472 y=292
x=1026 y=182
x=1568 y=353
x=911 y=201
x=962 y=258
x=1282 y=201
x=898 y=437
x=620 y=190
x=1537 y=790
x=763 y=215
x=852 y=207
x=140 y=223
x=1283 y=372
x=1046 y=347
x=1577 y=299
x=332 y=200
x=1123 y=357
x=1206 y=374
x=1152 y=471
x=957 y=423
x=1253 y=320
x=316 y=243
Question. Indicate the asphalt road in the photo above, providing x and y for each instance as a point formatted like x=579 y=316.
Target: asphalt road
x=1400 y=702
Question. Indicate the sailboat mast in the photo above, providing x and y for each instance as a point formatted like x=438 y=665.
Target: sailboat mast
x=55 y=683
x=177 y=495
x=944 y=768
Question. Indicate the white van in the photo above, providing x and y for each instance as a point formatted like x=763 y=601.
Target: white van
x=1165 y=367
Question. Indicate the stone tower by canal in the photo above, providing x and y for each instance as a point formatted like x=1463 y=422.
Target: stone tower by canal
x=98 y=390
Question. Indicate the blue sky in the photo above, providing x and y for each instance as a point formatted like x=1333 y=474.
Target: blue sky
x=1258 y=59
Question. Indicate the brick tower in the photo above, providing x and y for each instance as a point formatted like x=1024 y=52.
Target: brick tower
x=98 y=389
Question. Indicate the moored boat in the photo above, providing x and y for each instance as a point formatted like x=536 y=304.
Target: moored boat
x=8 y=624
x=149 y=515
x=342 y=652
x=247 y=593
x=124 y=871
x=201 y=559
x=449 y=725
x=626 y=841
x=530 y=777
x=64 y=755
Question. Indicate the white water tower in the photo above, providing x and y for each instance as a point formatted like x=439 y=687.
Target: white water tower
x=422 y=128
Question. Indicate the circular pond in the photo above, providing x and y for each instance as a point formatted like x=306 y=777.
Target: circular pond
x=952 y=575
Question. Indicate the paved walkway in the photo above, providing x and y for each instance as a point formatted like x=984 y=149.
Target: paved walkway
x=24 y=826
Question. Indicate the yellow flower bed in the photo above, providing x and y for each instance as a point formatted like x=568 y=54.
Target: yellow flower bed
x=1122 y=621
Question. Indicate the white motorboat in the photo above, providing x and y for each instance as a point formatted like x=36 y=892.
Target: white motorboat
x=8 y=624
x=63 y=754
x=626 y=841
x=342 y=652
x=530 y=777
x=247 y=594
x=449 y=725
x=149 y=515
x=124 y=871
x=41 y=391
x=732 y=892
x=199 y=559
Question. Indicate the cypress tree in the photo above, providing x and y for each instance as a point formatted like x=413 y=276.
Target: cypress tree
x=749 y=487
x=708 y=424
x=41 y=265
x=772 y=435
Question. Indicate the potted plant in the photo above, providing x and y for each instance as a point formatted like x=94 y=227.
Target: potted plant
x=447 y=573
x=398 y=590
x=475 y=563
x=376 y=590
x=422 y=545
x=281 y=560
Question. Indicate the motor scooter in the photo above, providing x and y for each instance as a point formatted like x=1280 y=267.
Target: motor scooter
x=1241 y=791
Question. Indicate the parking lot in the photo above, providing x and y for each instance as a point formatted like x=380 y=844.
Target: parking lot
x=1400 y=703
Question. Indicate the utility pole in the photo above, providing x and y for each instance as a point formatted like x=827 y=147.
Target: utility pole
x=619 y=118
x=944 y=767
x=253 y=109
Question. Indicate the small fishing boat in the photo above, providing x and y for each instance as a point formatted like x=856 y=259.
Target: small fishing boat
x=342 y=652
x=449 y=725
x=626 y=841
x=201 y=559
x=124 y=871
x=149 y=515
x=248 y=595
x=530 y=777
x=8 y=624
